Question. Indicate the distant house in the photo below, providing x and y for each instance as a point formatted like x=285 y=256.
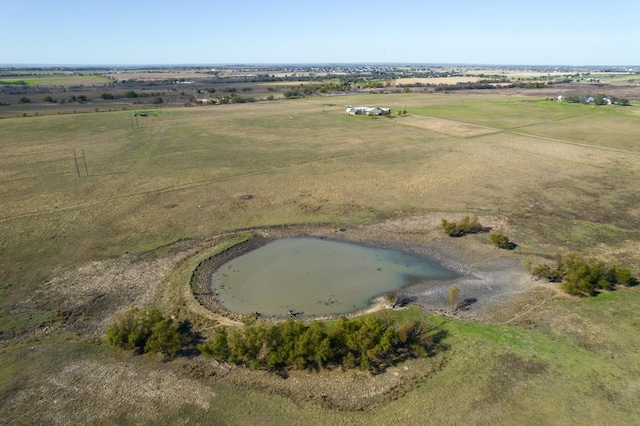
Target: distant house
x=368 y=111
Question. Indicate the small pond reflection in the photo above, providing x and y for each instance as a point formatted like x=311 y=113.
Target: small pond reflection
x=316 y=277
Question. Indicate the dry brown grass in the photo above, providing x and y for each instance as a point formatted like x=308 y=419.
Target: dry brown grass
x=190 y=174
x=449 y=127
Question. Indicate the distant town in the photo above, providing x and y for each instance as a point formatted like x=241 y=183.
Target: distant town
x=38 y=90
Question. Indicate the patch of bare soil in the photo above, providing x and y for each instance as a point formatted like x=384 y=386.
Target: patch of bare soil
x=89 y=298
x=90 y=392
x=449 y=127
x=351 y=390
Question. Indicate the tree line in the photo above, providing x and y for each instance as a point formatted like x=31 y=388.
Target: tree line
x=369 y=343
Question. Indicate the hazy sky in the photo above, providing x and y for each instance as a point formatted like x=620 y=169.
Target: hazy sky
x=142 y=32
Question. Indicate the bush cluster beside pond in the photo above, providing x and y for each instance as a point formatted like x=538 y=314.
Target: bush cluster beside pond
x=580 y=276
x=468 y=225
x=370 y=343
x=145 y=330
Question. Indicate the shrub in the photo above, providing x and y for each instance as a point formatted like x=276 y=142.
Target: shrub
x=453 y=297
x=501 y=241
x=145 y=331
x=618 y=275
x=548 y=272
x=450 y=228
x=468 y=225
x=582 y=276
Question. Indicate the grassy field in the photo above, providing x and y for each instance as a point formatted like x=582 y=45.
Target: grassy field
x=59 y=80
x=561 y=176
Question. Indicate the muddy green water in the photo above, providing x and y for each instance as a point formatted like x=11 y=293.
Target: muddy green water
x=316 y=277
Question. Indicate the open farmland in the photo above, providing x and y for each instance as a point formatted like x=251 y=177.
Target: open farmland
x=66 y=80
x=145 y=196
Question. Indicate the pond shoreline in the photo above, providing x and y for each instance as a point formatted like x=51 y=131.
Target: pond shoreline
x=480 y=287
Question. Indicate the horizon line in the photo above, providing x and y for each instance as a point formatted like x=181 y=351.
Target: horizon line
x=281 y=64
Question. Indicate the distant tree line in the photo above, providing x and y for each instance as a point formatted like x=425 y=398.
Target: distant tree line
x=369 y=343
x=598 y=99
x=480 y=85
x=491 y=84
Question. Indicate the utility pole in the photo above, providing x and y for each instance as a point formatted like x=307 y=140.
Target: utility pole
x=85 y=163
x=75 y=158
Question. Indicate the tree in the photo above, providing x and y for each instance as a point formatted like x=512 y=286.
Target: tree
x=218 y=347
x=164 y=337
x=130 y=94
x=106 y=96
x=24 y=100
x=49 y=99
x=145 y=331
x=599 y=99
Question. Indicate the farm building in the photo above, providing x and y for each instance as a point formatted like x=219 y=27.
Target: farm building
x=368 y=111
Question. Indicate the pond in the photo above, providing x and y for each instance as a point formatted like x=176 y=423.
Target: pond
x=315 y=276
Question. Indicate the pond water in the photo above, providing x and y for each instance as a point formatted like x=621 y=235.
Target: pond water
x=316 y=277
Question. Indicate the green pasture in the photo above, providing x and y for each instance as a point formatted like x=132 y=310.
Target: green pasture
x=70 y=80
x=615 y=79
x=561 y=176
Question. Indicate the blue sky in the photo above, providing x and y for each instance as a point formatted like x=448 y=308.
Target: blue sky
x=116 y=32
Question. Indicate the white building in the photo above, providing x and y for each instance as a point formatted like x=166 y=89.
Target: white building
x=368 y=111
